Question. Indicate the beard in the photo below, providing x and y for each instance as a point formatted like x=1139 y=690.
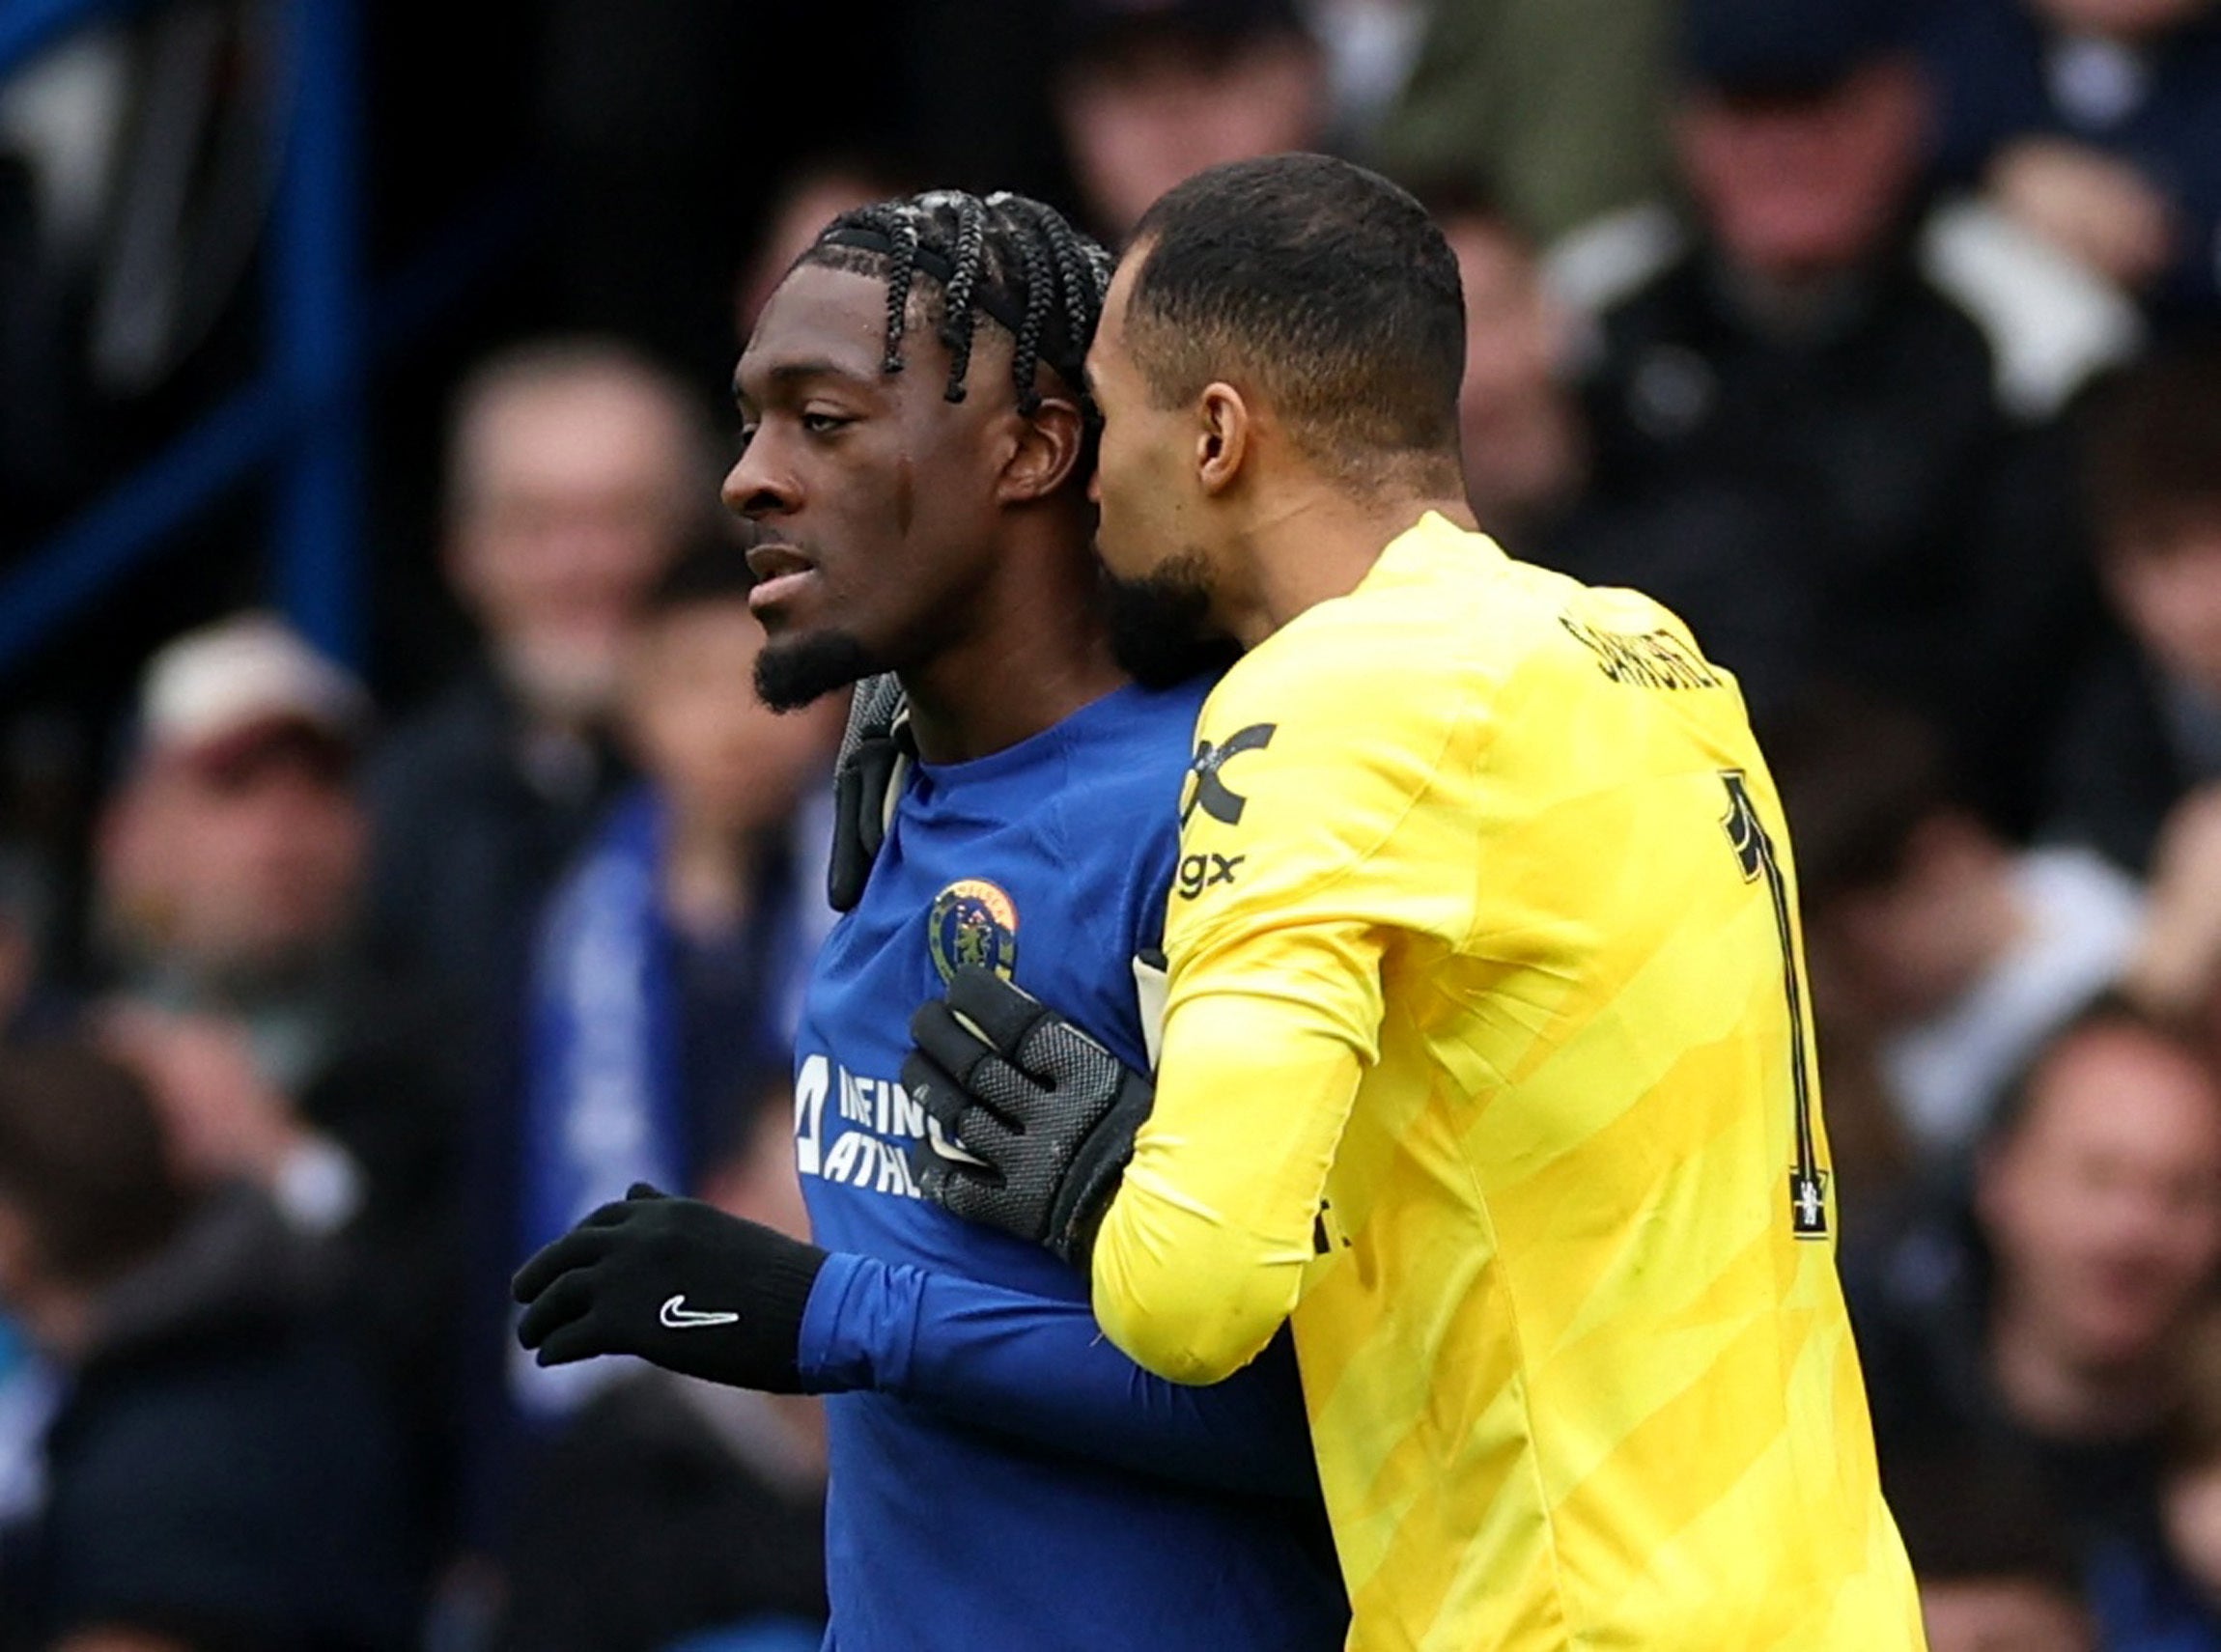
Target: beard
x=1161 y=624
x=794 y=674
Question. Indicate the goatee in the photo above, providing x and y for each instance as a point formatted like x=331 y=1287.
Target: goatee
x=791 y=675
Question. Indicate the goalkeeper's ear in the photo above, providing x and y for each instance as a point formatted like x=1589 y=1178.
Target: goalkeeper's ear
x=875 y=757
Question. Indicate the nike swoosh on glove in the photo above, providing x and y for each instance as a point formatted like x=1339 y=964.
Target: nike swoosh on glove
x=1048 y=1114
x=678 y=1283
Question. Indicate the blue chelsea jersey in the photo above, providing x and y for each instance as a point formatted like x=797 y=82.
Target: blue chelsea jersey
x=1002 y=1476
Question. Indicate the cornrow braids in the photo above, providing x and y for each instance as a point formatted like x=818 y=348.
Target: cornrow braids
x=1010 y=259
x=1026 y=361
x=1083 y=268
x=956 y=326
x=902 y=265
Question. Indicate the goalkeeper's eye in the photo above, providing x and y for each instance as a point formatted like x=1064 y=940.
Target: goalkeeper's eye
x=824 y=424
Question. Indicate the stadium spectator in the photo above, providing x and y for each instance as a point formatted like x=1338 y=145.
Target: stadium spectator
x=575 y=470
x=2142 y=724
x=230 y=854
x=1147 y=92
x=2097 y=125
x=1955 y=954
x=1713 y=553
x=230 y=866
x=671 y=957
x=1557 y=108
x=229 y=872
x=1885 y=374
x=2050 y=1331
x=220 y=1472
x=668 y=1505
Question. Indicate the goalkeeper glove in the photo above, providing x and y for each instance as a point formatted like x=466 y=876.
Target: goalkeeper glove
x=1045 y=1114
x=678 y=1283
x=875 y=754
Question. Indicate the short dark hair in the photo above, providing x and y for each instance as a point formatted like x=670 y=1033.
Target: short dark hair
x=2152 y=442
x=1324 y=284
x=1008 y=258
x=83 y=1156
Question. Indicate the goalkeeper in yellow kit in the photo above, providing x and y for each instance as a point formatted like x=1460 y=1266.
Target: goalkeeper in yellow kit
x=1486 y=1060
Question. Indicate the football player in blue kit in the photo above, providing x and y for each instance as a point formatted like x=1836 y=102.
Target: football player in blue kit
x=918 y=446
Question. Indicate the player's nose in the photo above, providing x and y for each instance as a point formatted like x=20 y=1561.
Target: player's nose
x=757 y=486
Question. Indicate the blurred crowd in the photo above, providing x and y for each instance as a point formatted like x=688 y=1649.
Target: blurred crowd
x=1877 y=338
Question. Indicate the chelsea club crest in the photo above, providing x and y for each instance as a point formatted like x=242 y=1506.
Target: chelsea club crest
x=973 y=922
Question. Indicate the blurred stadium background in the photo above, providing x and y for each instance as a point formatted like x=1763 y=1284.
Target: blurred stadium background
x=363 y=394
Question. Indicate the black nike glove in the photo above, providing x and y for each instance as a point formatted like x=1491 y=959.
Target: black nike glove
x=1049 y=1113
x=676 y=1281
x=874 y=750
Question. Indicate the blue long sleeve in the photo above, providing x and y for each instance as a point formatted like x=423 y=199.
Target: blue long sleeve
x=976 y=1352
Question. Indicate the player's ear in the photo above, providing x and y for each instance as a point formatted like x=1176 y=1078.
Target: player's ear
x=1045 y=451
x=1223 y=426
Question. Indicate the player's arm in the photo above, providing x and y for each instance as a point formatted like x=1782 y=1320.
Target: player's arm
x=1202 y=1253
x=1200 y=1257
x=1039 y=1370
x=695 y=1290
x=1294 y=877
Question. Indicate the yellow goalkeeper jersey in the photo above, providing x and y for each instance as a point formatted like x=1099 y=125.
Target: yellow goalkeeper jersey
x=1487 y=1059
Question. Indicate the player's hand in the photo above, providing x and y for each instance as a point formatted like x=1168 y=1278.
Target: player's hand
x=1048 y=1114
x=875 y=752
x=678 y=1283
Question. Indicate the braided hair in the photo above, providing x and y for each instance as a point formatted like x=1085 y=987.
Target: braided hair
x=1008 y=258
